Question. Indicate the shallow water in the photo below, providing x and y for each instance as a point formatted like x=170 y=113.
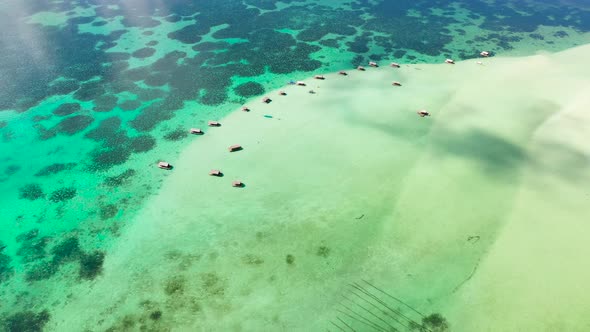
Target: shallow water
x=358 y=190
x=94 y=94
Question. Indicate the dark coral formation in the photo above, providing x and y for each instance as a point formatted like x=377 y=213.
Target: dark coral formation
x=74 y=124
x=157 y=79
x=145 y=52
x=175 y=285
x=41 y=271
x=155 y=315
x=91 y=265
x=104 y=159
x=55 y=168
x=26 y=321
x=6 y=269
x=11 y=169
x=31 y=191
x=119 y=180
x=150 y=94
x=67 y=251
x=148 y=320
x=108 y=211
x=151 y=116
x=176 y=135
x=435 y=323
x=63 y=87
x=249 y=89
x=190 y=34
x=67 y=109
x=142 y=143
x=130 y=105
x=106 y=130
x=39 y=118
x=323 y=251
x=89 y=91
x=251 y=259
x=63 y=194
x=290 y=259
x=115 y=145
x=212 y=284
x=32 y=248
x=105 y=103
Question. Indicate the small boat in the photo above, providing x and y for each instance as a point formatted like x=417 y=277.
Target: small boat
x=319 y=77
x=267 y=116
x=234 y=148
x=396 y=83
x=373 y=64
x=164 y=165
x=214 y=124
x=479 y=63
x=450 y=61
x=485 y=54
x=196 y=131
x=300 y=83
x=215 y=172
x=245 y=109
x=395 y=65
x=237 y=184
x=361 y=68
x=266 y=100
x=282 y=93
x=343 y=73
x=423 y=113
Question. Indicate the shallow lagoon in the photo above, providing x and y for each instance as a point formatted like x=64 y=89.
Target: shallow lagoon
x=347 y=191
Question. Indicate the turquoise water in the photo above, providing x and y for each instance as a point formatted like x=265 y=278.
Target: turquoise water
x=95 y=93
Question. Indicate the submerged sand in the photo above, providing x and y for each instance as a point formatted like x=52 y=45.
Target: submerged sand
x=478 y=212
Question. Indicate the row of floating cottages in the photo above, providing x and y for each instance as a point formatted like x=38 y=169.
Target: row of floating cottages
x=213 y=172
x=267 y=100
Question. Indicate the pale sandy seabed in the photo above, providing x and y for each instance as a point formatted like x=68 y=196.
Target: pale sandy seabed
x=479 y=212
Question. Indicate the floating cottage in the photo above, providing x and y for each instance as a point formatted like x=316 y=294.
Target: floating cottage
x=164 y=165
x=234 y=148
x=423 y=113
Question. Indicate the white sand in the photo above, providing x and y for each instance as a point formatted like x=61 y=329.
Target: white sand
x=503 y=157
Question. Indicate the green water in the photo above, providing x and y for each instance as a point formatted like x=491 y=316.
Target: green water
x=73 y=182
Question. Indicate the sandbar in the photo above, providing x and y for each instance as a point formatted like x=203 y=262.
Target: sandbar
x=477 y=212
